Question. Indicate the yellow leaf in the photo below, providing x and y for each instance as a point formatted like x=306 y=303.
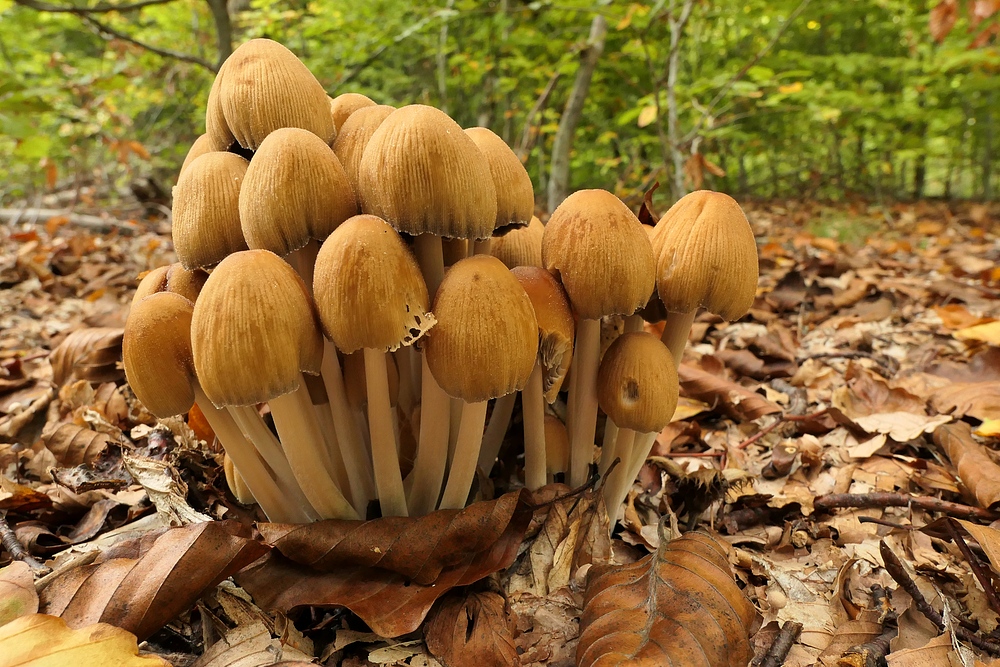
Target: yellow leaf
x=791 y=88
x=40 y=640
x=989 y=333
x=647 y=115
x=989 y=428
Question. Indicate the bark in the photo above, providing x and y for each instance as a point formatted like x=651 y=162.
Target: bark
x=223 y=30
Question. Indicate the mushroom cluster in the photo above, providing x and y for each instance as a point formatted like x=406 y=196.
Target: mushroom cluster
x=374 y=279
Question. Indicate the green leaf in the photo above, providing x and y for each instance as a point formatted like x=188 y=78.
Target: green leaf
x=34 y=147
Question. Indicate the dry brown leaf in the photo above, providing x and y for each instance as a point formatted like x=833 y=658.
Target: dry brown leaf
x=73 y=444
x=388 y=571
x=975 y=399
x=472 y=629
x=989 y=540
x=249 y=645
x=38 y=640
x=868 y=394
x=976 y=470
x=91 y=354
x=735 y=400
x=679 y=605
x=938 y=652
x=143 y=584
x=17 y=592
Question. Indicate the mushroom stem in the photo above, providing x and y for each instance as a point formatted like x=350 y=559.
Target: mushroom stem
x=406 y=383
x=385 y=456
x=463 y=467
x=608 y=446
x=676 y=329
x=633 y=463
x=455 y=406
x=430 y=257
x=584 y=404
x=503 y=408
x=237 y=485
x=332 y=455
x=633 y=323
x=280 y=504
x=618 y=481
x=533 y=408
x=480 y=247
x=352 y=447
x=303 y=261
x=302 y=441
x=432 y=446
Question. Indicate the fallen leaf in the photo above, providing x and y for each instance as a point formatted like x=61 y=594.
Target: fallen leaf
x=987 y=333
x=249 y=645
x=990 y=428
x=976 y=470
x=938 y=652
x=17 y=592
x=165 y=488
x=39 y=640
x=975 y=399
x=989 y=540
x=73 y=444
x=93 y=354
x=472 y=629
x=901 y=426
x=731 y=398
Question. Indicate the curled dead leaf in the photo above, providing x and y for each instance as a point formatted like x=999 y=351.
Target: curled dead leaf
x=472 y=629
x=73 y=444
x=91 y=354
x=39 y=640
x=735 y=400
x=975 y=468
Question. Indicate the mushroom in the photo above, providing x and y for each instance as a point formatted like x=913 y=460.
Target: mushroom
x=521 y=246
x=342 y=107
x=706 y=258
x=556 y=447
x=483 y=346
x=597 y=248
x=171 y=278
x=236 y=483
x=370 y=295
x=254 y=333
x=353 y=136
x=203 y=144
x=515 y=198
x=637 y=389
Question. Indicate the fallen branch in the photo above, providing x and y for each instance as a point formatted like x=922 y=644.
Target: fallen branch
x=13 y=546
x=886 y=499
x=872 y=653
x=782 y=644
x=784 y=417
x=94 y=222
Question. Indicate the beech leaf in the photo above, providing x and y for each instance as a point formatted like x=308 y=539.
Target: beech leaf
x=975 y=468
x=17 y=592
x=91 y=354
x=39 y=640
x=735 y=400
x=472 y=629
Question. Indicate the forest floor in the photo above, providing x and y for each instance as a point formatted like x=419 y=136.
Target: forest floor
x=830 y=438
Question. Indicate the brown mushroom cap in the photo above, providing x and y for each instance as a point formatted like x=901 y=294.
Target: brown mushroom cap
x=343 y=107
x=216 y=128
x=707 y=256
x=521 y=246
x=637 y=383
x=556 y=327
x=206 y=212
x=368 y=287
x=294 y=190
x=353 y=136
x=171 y=278
x=597 y=247
x=254 y=330
x=156 y=352
x=201 y=145
x=422 y=174
x=486 y=337
x=515 y=197
x=264 y=87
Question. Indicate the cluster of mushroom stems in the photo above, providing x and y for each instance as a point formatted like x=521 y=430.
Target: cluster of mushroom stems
x=376 y=278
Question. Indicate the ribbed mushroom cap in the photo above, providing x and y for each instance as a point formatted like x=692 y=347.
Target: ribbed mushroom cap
x=356 y=384
x=295 y=190
x=206 y=212
x=254 y=330
x=556 y=445
x=201 y=145
x=707 y=256
x=556 y=327
x=263 y=87
x=368 y=288
x=156 y=351
x=515 y=197
x=171 y=278
x=422 y=174
x=637 y=383
x=521 y=246
x=486 y=337
x=343 y=107
x=353 y=136
x=600 y=253
x=216 y=128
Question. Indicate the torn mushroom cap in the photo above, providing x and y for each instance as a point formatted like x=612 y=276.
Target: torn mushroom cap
x=156 y=351
x=521 y=246
x=555 y=325
x=486 y=337
x=353 y=136
x=422 y=174
x=254 y=330
x=171 y=278
x=368 y=288
x=343 y=107
x=707 y=256
x=263 y=87
x=356 y=385
x=637 y=383
x=201 y=145
x=598 y=249
x=515 y=197
x=295 y=190
x=206 y=211
x=556 y=445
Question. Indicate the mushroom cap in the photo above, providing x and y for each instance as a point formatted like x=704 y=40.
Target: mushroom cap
x=556 y=327
x=706 y=256
x=343 y=107
x=171 y=278
x=206 y=211
x=203 y=144
x=422 y=174
x=515 y=196
x=294 y=190
x=368 y=288
x=264 y=87
x=353 y=136
x=156 y=351
x=521 y=246
x=486 y=337
x=596 y=246
x=556 y=445
x=254 y=330
x=216 y=128
x=637 y=383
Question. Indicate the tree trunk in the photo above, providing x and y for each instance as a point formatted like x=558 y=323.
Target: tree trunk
x=563 y=143
x=442 y=60
x=223 y=29
x=673 y=67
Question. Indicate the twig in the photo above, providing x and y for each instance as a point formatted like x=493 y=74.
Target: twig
x=13 y=546
x=782 y=644
x=526 y=143
x=872 y=653
x=885 y=499
x=377 y=53
x=883 y=522
x=977 y=569
x=166 y=53
x=94 y=222
x=785 y=417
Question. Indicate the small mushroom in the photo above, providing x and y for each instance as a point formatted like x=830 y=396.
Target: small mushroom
x=206 y=211
x=353 y=136
x=342 y=107
x=203 y=144
x=521 y=246
x=171 y=278
x=515 y=197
